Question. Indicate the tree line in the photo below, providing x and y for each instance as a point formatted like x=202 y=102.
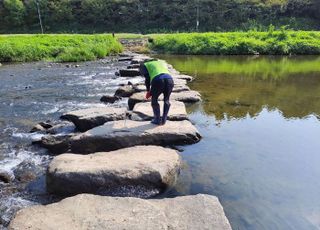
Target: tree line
x=153 y=16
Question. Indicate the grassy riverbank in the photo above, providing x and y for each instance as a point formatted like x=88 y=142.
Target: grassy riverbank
x=62 y=48
x=239 y=43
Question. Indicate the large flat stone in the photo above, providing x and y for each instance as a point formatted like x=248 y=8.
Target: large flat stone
x=87 y=211
x=148 y=167
x=143 y=111
x=122 y=134
x=86 y=119
x=183 y=96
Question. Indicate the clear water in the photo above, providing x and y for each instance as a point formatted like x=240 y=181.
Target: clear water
x=260 y=153
x=34 y=92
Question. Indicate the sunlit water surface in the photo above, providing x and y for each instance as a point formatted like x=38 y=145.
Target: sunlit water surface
x=260 y=152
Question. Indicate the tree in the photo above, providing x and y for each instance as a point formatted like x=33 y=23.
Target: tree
x=15 y=12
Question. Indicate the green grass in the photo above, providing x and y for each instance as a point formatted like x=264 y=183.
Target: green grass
x=61 y=48
x=238 y=43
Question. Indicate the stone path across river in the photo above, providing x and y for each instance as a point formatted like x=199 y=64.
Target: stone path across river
x=86 y=211
x=123 y=150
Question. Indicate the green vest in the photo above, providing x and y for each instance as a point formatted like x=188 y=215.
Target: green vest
x=155 y=68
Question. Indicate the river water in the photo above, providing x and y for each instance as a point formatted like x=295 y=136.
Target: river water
x=35 y=92
x=259 y=119
x=260 y=153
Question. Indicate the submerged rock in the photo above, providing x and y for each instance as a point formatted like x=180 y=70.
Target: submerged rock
x=183 y=96
x=152 y=167
x=143 y=111
x=6 y=176
x=86 y=119
x=121 y=134
x=99 y=212
x=129 y=72
x=26 y=171
x=40 y=127
x=110 y=99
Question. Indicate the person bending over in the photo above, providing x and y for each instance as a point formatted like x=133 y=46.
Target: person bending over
x=158 y=81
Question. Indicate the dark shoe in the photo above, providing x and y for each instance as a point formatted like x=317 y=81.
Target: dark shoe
x=156 y=121
x=156 y=115
x=166 y=107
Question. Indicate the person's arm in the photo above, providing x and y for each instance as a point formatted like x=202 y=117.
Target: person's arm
x=145 y=73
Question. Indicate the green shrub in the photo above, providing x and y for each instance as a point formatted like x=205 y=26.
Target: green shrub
x=273 y=42
x=64 y=48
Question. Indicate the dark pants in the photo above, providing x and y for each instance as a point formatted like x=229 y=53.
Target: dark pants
x=161 y=86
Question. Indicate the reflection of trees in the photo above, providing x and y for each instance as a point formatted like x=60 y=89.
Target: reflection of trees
x=235 y=87
x=262 y=67
x=237 y=97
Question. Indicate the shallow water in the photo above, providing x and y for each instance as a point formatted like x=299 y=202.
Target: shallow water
x=34 y=92
x=260 y=153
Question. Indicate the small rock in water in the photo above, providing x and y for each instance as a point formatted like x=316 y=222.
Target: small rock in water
x=45 y=125
x=26 y=171
x=125 y=91
x=68 y=66
x=37 y=128
x=110 y=99
x=77 y=66
x=6 y=176
x=40 y=127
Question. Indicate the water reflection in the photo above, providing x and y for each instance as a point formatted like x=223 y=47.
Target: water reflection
x=236 y=87
x=260 y=148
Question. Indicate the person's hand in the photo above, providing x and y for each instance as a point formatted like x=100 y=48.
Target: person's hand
x=148 y=95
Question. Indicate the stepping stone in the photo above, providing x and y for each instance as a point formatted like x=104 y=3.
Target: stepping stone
x=184 y=96
x=150 y=167
x=129 y=72
x=88 y=211
x=182 y=77
x=122 y=59
x=122 y=134
x=110 y=99
x=86 y=119
x=140 y=58
x=143 y=111
x=134 y=66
